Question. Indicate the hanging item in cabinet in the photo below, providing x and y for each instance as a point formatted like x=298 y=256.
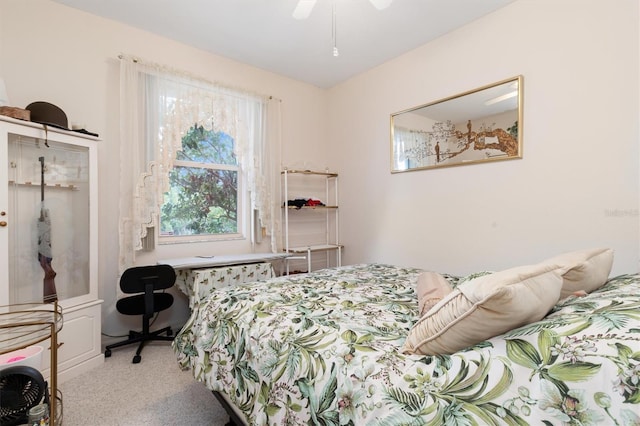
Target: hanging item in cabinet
x=310 y=217
x=45 y=254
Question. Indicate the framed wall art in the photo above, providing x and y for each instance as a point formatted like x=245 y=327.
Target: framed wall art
x=484 y=124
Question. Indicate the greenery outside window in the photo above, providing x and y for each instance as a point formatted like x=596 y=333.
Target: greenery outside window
x=204 y=201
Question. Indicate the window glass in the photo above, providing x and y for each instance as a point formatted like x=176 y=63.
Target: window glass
x=203 y=200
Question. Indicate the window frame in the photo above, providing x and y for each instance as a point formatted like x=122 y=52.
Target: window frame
x=241 y=202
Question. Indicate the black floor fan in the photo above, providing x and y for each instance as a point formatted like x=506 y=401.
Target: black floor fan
x=21 y=387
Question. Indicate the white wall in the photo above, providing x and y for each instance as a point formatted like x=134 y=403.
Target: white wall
x=577 y=185
x=54 y=53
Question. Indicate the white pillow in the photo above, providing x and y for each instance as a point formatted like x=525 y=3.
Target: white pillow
x=486 y=307
x=585 y=270
x=431 y=287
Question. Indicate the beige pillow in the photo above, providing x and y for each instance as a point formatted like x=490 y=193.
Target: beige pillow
x=431 y=287
x=585 y=270
x=486 y=307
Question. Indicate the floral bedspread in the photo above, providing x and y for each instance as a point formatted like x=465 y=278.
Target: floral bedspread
x=323 y=349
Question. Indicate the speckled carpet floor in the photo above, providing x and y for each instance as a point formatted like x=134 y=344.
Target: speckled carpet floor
x=153 y=392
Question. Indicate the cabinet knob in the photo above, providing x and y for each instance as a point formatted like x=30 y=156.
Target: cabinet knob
x=3 y=223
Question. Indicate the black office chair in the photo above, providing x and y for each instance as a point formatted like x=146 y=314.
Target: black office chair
x=146 y=280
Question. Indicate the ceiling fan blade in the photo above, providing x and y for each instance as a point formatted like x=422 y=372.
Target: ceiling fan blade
x=381 y=4
x=303 y=9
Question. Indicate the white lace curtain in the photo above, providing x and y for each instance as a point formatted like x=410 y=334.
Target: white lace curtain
x=157 y=107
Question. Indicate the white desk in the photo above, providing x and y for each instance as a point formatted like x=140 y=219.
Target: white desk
x=224 y=260
x=198 y=277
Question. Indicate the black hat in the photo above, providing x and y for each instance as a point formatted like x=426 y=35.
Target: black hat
x=49 y=114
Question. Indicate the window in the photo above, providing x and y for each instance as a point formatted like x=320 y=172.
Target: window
x=212 y=194
x=204 y=201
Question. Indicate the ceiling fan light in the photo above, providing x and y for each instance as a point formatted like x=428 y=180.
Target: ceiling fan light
x=303 y=9
x=381 y=4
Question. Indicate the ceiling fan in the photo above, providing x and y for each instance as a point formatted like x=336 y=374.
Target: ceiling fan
x=304 y=7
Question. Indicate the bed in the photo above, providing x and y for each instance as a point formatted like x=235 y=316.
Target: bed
x=325 y=348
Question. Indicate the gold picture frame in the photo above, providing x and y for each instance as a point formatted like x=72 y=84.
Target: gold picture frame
x=484 y=124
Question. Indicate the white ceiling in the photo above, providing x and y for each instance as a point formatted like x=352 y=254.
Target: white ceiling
x=264 y=34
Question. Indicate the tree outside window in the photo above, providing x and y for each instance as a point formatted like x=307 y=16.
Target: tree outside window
x=203 y=199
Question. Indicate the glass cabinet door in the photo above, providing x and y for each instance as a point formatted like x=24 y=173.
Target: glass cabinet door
x=48 y=199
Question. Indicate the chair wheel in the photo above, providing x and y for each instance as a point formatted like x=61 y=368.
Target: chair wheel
x=107 y=353
x=136 y=359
